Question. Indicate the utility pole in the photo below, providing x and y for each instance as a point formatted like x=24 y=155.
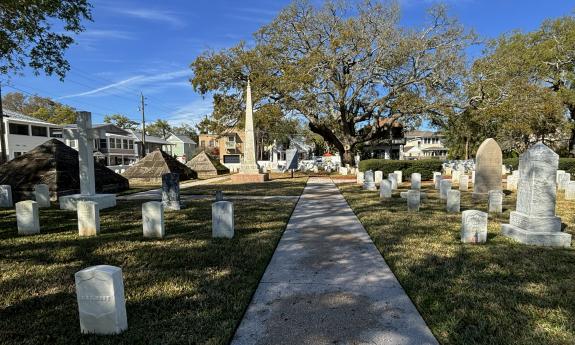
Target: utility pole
x=3 y=156
x=142 y=109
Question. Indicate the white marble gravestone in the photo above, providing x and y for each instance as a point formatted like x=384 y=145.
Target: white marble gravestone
x=564 y=179
x=88 y=218
x=534 y=220
x=444 y=188
x=473 y=177
x=455 y=176
x=570 y=191
x=101 y=303
x=437 y=182
x=392 y=177
x=413 y=200
x=495 y=201
x=223 y=219
x=464 y=183
x=342 y=170
x=6 y=196
x=385 y=190
x=415 y=181
x=153 y=219
x=453 y=201
x=558 y=176
x=473 y=226
x=368 y=181
x=436 y=176
x=359 y=178
x=42 y=195
x=399 y=175
x=27 y=217
x=86 y=165
x=378 y=177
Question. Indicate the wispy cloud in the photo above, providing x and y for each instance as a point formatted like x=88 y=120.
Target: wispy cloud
x=192 y=112
x=134 y=81
x=100 y=34
x=152 y=15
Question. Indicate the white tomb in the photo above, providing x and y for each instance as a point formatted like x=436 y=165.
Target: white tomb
x=223 y=219
x=473 y=226
x=153 y=219
x=27 y=217
x=88 y=218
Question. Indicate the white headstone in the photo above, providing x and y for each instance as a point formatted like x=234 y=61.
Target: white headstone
x=399 y=175
x=473 y=177
x=223 y=219
x=558 y=176
x=534 y=220
x=27 y=217
x=437 y=182
x=42 y=195
x=6 y=196
x=153 y=219
x=359 y=178
x=378 y=177
x=455 y=176
x=88 y=218
x=570 y=191
x=385 y=190
x=101 y=303
x=464 y=183
x=392 y=177
x=368 y=181
x=436 y=176
x=413 y=200
x=444 y=188
x=564 y=179
x=495 y=201
x=453 y=201
x=342 y=170
x=473 y=226
x=415 y=181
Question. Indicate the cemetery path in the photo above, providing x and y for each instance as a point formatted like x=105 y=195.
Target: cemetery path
x=328 y=284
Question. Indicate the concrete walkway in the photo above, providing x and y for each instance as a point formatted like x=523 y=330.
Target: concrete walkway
x=328 y=284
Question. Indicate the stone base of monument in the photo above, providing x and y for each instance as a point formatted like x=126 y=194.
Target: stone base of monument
x=540 y=231
x=69 y=202
x=248 y=178
x=479 y=197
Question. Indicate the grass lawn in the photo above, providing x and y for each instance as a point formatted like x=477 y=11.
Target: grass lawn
x=184 y=289
x=501 y=292
x=281 y=184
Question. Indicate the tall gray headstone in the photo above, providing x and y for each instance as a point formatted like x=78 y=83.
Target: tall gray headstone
x=453 y=201
x=6 y=196
x=464 y=183
x=415 y=181
x=291 y=159
x=385 y=190
x=27 y=217
x=487 y=169
x=171 y=191
x=223 y=219
x=369 y=181
x=101 y=303
x=473 y=226
x=534 y=220
x=88 y=218
x=444 y=188
x=42 y=195
x=392 y=177
x=413 y=200
x=495 y=201
x=153 y=219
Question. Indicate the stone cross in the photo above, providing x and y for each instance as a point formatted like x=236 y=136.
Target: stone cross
x=453 y=201
x=368 y=181
x=570 y=191
x=495 y=201
x=415 y=181
x=88 y=218
x=6 y=196
x=153 y=219
x=86 y=153
x=399 y=175
x=171 y=191
x=473 y=226
x=534 y=220
x=27 y=217
x=378 y=177
x=249 y=164
x=463 y=183
x=223 y=219
x=42 y=195
x=101 y=303
x=444 y=188
x=487 y=168
x=392 y=177
x=413 y=200
x=385 y=190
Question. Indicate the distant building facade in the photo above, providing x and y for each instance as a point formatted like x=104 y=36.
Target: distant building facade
x=386 y=148
x=424 y=144
x=228 y=146
x=183 y=147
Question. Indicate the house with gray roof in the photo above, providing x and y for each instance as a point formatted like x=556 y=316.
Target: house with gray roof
x=183 y=147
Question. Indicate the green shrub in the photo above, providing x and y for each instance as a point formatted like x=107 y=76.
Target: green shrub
x=567 y=164
x=425 y=167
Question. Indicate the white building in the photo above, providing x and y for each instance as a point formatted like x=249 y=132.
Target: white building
x=23 y=133
x=424 y=144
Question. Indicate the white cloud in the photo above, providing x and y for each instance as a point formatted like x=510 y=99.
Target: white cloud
x=152 y=15
x=97 y=34
x=192 y=112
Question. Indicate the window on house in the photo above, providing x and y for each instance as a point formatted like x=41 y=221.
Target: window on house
x=125 y=144
x=232 y=138
x=211 y=143
x=18 y=154
x=118 y=143
x=131 y=144
x=103 y=143
x=72 y=144
x=38 y=131
x=19 y=129
x=112 y=143
x=202 y=143
x=55 y=132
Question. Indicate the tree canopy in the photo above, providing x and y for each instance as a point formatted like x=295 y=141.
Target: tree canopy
x=342 y=67
x=121 y=121
x=39 y=107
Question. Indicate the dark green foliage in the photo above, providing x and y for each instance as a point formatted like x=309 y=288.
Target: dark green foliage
x=567 y=164
x=425 y=167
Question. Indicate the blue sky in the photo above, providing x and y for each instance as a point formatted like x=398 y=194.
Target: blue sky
x=147 y=46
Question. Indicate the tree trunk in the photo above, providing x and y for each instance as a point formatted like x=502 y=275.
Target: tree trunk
x=329 y=136
x=466 y=148
x=346 y=158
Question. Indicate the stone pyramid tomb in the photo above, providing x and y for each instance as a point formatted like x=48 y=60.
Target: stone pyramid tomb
x=55 y=164
x=151 y=168
x=207 y=166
